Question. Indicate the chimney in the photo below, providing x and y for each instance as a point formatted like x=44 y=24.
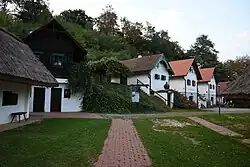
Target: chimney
x=139 y=56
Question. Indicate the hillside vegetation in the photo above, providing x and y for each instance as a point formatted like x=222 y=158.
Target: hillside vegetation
x=116 y=98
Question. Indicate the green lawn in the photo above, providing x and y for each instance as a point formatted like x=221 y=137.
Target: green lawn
x=54 y=142
x=237 y=122
x=191 y=146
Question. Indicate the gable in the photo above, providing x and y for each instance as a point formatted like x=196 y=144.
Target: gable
x=56 y=28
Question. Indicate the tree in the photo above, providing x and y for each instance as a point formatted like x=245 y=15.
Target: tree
x=77 y=16
x=236 y=67
x=32 y=11
x=160 y=42
x=133 y=33
x=99 y=44
x=204 y=52
x=107 y=21
x=5 y=19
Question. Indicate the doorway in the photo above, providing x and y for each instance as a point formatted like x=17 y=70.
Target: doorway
x=38 y=99
x=56 y=100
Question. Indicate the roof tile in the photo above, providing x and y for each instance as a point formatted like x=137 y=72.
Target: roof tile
x=181 y=67
x=206 y=74
x=145 y=63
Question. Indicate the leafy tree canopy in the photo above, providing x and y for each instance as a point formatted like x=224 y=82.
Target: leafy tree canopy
x=204 y=52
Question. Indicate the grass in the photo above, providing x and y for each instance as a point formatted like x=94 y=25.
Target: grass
x=54 y=142
x=191 y=146
x=237 y=122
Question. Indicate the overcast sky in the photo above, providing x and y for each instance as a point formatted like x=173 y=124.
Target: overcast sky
x=227 y=22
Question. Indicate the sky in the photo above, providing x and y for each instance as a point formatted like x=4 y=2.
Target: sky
x=226 y=22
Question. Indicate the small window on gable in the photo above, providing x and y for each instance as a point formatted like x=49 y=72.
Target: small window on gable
x=157 y=76
x=9 y=98
x=210 y=86
x=193 y=83
x=163 y=77
x=188 y=82
x=67 y=93
x=57 y=59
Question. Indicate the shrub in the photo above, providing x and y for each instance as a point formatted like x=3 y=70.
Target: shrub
x=116 y=98
x=180 y=101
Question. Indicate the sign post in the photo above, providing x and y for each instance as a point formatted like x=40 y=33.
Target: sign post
x=135 y=95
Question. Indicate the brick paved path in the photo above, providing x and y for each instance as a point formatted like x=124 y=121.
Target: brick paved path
x=220 y=129
x=123 y=147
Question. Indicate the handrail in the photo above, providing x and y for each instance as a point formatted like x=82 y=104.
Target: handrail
x=163 y=98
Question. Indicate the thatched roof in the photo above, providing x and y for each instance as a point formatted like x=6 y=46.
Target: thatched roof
x=241 y=85
x=19 y=64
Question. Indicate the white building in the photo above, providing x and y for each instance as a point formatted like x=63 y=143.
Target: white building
x=152 y=71
x=185 y=78
x=207 y=87
x=57 y=50
x=56 y=99
x=19 y=70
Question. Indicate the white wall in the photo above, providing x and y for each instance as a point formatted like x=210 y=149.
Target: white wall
x=178 y=84
x=204 y=89
x=159 y=84
x=212 y=92
x=115 y=80
x=190 y=89
x=143 y=78
x=72 y=104
x=155 y=84
x=23 y=92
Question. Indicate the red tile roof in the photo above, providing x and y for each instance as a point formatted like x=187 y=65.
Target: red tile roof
x=145 y=63
x=223 y=86
x=206 y=74
x=181 y=67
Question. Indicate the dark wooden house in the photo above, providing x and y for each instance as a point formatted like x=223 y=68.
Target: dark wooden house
x=56 y=48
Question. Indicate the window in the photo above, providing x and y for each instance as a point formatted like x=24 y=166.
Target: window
x=213 y=87
x=67 y=93
x=163 y=77
x=157 y=76
x=188 y=82
x=123 y=80
x=193 y=83
x=210 y=86
x=191 y=70
x=190 y=98
x=9 y=98
x=57 y=59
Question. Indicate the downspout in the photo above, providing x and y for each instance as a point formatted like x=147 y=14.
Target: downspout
x=185 y=86
x=197 y=94
x=208 y=92
x=149 y=82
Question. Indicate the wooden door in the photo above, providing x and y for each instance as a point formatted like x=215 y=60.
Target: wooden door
x=56 y=100
x=38 y=99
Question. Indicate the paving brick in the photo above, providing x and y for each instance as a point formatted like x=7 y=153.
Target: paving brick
x=123 y=147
